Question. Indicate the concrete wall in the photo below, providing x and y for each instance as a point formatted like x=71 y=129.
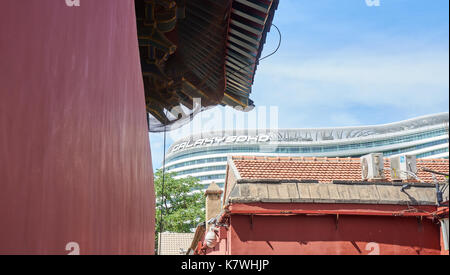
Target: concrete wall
x=75 y=160
x=230 y=181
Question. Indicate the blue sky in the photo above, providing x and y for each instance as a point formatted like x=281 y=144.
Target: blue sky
x=343 y=63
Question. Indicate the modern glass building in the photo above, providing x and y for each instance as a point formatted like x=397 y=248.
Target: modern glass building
x=205 y=156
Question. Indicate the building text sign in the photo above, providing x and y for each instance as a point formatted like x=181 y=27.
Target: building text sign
x=220 y=140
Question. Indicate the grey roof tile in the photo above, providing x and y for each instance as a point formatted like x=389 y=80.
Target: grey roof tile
x=332 y=193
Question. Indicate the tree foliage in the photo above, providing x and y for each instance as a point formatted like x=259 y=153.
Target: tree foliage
x=183 y=208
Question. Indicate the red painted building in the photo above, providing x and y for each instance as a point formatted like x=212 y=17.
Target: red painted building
x=74 y=151
x=77 y=79
x=313 y=206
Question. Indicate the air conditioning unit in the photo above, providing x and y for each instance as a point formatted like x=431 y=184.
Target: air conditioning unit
x=372 y=166
x=403 y=167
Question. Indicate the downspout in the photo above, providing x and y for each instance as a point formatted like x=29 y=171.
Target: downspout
x=444 y=227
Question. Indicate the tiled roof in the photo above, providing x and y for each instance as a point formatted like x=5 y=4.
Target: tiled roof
x=324 y=170
x=174 y=243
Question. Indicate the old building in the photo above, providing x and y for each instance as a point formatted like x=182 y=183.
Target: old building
x=322 y=206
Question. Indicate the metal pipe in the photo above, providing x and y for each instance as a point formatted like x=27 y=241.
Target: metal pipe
x=444 y=226
x=332 y=212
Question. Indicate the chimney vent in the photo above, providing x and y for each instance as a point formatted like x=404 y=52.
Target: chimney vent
x=213 y=203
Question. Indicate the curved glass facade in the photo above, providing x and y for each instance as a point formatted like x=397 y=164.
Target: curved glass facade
x=289 y=149
x=205 y=156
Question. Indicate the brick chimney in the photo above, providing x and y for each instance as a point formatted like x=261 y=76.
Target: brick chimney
x=213 y=203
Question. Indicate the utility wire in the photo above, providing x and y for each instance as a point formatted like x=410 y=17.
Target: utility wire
x=163 y=198
x=278 y=47
x=267 y=56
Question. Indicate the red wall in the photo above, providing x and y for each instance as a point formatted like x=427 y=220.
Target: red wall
x=308 y=235
x=379 y=231
x=75 y=160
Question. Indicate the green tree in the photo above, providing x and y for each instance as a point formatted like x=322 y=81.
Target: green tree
x=182 y=205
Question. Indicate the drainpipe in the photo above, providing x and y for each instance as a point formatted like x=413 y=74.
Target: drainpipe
x=444 y=226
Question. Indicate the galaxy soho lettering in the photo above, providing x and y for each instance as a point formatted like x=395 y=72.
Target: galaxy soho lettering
x=219 y=140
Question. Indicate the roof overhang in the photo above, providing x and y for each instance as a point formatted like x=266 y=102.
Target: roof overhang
x=200 y=49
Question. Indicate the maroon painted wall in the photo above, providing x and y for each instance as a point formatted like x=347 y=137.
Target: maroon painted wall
x=75 y=160
x=311 y=235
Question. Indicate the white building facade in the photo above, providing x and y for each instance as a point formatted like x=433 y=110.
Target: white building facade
x=205 y=156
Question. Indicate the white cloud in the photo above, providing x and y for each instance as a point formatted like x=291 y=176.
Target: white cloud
x=370 y=78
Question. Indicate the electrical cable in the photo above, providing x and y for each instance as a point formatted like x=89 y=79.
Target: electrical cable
x=163 y=199
x=265 y=57
x=445 y=187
